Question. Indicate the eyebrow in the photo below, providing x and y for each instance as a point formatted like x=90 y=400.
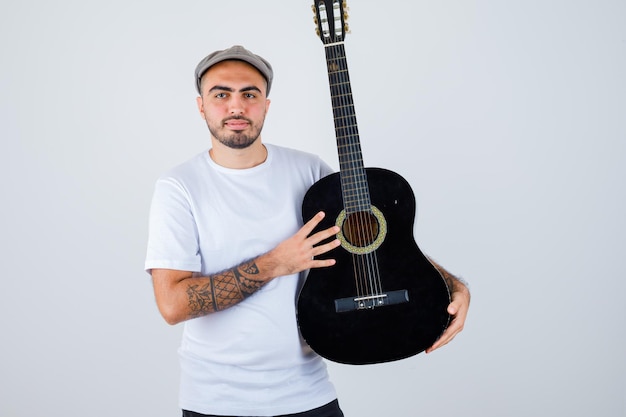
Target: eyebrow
x=232 y=90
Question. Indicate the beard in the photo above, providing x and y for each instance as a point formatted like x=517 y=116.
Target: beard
x=236 y=140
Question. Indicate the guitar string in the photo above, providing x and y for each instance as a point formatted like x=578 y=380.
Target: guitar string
x=334 y=74
x=366 y=272
x=365 y=266
x=338 y=103
x=362 y=207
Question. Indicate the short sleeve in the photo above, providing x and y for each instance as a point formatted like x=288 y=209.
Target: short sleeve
x=172 y=230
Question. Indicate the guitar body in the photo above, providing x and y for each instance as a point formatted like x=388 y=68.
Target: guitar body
x=373 y=334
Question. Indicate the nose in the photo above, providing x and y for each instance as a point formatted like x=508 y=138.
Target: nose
x=236 y=106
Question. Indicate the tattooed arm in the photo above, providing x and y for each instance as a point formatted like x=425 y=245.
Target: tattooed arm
x=181 y=296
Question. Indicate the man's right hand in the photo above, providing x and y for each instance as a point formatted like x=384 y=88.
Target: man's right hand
x=297 y=253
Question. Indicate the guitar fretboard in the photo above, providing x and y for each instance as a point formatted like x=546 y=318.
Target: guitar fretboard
x=354 y=185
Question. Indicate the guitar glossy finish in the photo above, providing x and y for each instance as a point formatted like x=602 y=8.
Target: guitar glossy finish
x=383 y=300
x=378 y=334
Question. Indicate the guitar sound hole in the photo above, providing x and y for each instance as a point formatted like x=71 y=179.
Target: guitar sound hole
x=360 y=229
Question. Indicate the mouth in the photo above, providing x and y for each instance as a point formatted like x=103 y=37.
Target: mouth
x=236 y=124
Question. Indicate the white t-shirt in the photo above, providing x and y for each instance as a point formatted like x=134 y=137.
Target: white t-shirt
x=247 y=359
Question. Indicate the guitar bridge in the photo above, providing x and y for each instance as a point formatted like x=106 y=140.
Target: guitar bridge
x=371 y=301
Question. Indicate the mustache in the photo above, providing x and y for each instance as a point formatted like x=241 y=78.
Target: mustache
x=237 y=118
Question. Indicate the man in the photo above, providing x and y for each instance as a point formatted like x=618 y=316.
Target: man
x=227 y=253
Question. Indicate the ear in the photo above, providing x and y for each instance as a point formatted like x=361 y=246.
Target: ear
x=267 y=104
x=200 y=105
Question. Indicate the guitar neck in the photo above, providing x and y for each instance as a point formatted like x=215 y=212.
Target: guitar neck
x=353 y=178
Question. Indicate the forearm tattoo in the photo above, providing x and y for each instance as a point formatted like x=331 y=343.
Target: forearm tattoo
x=224 y=289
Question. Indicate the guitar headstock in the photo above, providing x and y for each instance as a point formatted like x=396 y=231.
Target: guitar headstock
x=331 y=18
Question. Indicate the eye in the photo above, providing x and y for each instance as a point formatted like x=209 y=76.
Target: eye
x=220 y=95
x=250 y=95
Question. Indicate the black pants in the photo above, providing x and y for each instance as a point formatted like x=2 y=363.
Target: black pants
x=329 y=410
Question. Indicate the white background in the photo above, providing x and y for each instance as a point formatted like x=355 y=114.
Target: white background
x=507 y=117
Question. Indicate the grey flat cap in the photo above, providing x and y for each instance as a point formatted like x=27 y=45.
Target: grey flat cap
x=236 y=52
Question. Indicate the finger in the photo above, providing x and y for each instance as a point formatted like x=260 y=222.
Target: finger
x=326 y=247
x=446 y=337
x=459 y=306
x=322 y=263
x=453 y=308
x=311 y=224
x=323 y=235
x=455 y=327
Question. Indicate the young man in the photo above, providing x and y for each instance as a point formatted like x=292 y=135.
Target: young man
x=227 y=252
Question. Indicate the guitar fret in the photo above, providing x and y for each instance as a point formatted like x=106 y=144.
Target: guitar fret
x=338 y=81
x=350 y=153
x=338 y=89
x=346 y=108
x=348 y=118
x=351 y=195
x=353 y=171
x=340 y=93
x=354 y=190
x=343 y=111
x=355 y=208
x=358 y=180
x=346 y=147
x=344 y=133
x=339 y=111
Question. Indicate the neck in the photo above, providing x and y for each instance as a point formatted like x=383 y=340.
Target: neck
x=249 y=157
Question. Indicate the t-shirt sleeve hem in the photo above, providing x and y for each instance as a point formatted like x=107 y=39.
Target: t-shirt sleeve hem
x=177 y=265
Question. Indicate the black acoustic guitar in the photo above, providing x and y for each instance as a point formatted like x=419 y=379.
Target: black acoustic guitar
x=383 y=300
